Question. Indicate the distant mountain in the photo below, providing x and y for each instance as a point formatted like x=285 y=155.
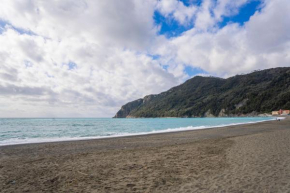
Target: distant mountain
x=241 y=95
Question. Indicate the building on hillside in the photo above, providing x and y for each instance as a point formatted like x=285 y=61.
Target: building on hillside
x=281 y=112
x=285 y=112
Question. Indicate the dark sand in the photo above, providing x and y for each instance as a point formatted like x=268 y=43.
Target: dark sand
x=245 y=158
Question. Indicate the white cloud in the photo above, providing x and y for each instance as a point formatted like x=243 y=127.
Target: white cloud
x=177 y=10
x=263 y=42
x=228 y=8
x=268 y=30
x=106 y=41
x=127 y=23
x=205 y=17
x=36 y=69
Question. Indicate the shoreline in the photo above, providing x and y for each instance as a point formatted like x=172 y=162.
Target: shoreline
x=170 y=130
x=247 y=158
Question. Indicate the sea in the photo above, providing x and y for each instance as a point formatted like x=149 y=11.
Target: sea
x=25 y=130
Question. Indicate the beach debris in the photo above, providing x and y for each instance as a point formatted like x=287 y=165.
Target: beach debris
x=82 y=173
x=12 y=182
x=131 y=185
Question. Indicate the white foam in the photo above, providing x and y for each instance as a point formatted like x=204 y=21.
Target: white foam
x=280 y=118
x=17 y=141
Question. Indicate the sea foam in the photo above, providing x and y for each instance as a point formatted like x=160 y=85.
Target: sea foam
x=24 y=131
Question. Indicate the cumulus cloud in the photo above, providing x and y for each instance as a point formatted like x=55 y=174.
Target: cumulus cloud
x=101 y=77
x=177 y=10
x=83 y=58
x=227 y=8
x=263 y=42
x=205 y=16
x=125 y=23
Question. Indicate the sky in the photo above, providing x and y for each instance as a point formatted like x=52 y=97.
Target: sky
x=87 y=58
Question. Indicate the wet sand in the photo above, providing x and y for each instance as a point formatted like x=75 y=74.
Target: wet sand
x=243 y=158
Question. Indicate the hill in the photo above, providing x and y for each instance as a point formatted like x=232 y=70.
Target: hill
x=241 y=95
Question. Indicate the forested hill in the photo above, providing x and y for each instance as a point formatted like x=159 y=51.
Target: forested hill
x=241 y=95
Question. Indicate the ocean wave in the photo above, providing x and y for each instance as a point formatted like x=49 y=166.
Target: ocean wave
x=18 y=141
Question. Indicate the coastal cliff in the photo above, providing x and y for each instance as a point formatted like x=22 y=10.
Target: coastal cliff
x=252 y=94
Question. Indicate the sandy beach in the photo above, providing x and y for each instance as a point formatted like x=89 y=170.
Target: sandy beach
x=243 y=158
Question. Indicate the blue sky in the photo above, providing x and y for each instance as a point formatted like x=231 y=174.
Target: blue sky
x=3 y=23
x=171 y=28
x=245 y=12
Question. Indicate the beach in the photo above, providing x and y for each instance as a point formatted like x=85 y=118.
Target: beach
x=241 y=158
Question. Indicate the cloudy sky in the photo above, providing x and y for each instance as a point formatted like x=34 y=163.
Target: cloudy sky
x=86 y=58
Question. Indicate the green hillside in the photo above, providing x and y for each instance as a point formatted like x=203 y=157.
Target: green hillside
x=241 y=95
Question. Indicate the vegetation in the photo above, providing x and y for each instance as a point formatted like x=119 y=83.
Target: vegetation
x=254 y=93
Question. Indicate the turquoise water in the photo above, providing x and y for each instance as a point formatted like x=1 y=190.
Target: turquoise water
x=20 y=131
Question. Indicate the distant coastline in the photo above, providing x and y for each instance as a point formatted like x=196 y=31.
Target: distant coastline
x=256 y=94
